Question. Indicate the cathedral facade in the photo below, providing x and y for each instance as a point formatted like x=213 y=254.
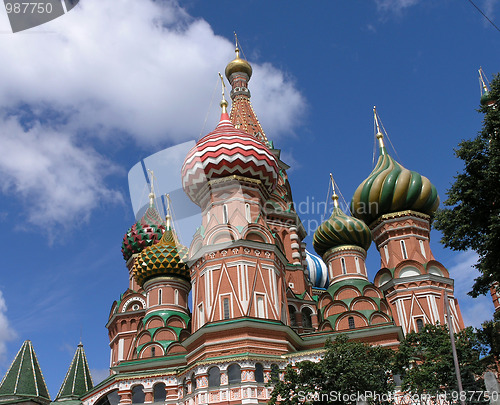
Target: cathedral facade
x=260 y=300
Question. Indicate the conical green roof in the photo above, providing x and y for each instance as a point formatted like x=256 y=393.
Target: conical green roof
x=24 y=380
x=78 y=380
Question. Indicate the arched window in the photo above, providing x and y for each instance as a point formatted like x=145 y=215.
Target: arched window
x=208 y=217
x=306 y=317
x=184 y=387
x=259 y=373
x=420 y=325
x=291 y=310
x=225 y=308
x=160 y=292
x=352 y=325
x=159 y=392
x=234 y=374
x=111 y=398
x=176 y=296
x=153 y=351
x=275 y=373
x=225 y=216
x=138 y=394
x=214 y=377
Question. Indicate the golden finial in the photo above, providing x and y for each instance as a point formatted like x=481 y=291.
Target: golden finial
x=152 y=191
x=237 y=48
x=482 y=82
x=379 y=135
x=223 y=103
x=335 y=197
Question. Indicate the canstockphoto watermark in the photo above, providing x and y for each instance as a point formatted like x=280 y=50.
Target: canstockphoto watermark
x=345 y=397
x=28 y=14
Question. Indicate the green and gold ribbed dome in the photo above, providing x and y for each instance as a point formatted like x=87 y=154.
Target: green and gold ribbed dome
x=238 y=65
x=166 y=258
x=391 y=188
x=341 y=229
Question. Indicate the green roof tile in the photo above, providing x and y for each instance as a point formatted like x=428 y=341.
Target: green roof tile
x=24 y=379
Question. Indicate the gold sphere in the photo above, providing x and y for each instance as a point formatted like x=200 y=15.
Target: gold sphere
x=238 y=65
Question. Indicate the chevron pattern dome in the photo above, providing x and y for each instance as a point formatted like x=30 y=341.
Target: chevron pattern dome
x=166 y=258
x=225 y=152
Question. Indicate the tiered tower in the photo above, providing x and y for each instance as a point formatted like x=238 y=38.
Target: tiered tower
x=397 y=204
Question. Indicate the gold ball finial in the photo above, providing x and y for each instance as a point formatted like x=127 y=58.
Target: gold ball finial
x=238 y=65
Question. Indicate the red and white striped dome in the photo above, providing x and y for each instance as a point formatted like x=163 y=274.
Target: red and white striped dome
x=227 y=151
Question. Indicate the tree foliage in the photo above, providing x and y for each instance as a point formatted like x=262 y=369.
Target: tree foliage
x=425 y=361
x=348 y=368
x=471 y=219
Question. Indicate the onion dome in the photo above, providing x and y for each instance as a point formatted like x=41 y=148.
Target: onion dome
x=145 y=232
x=238 y=65
x=224 y=152
x=391 y=188
x=166 y=258
x=317 y=271
x=340 y=229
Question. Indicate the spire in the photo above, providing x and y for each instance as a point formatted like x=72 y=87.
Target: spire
x=486 y=99
x=335 y=197
x=24 y=380
x=169 y=215
x=379 y=135
x=238 y=72
x=78 y=380
x=152 y=191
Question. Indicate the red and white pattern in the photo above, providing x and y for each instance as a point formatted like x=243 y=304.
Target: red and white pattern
x=228 y=151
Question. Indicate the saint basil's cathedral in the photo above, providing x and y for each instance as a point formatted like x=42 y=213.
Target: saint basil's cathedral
x=260 y=301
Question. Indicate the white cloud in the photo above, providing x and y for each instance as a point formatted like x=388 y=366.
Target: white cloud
x=143 y=67
x=140 y=70
x=6 y=331
x=489 y=9
x=394 y=6
x=474 y=310
x=99 y=375
x=61 y=180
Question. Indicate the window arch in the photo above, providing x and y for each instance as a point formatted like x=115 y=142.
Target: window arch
x=138 y=395
x=342 y=263
x=111 y=398
x=306 y=317
x=350 y=320
x=259 y=372
x=193 y=382
x=214 y=377
x=159 y=392
x=234 y=374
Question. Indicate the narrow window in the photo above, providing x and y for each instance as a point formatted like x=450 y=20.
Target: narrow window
x=201 y=316
x=225 y=304
x=386 y=251
x=138 y=395
x=306 y=318
x=275 y=373
x=247 y=212
x=159 y=296
x=208 y=217
x=224 y=214
x=259 y=373
x=176 y=297
x=193 y=382
x=403 y=250
x=352 y=325
x=422 y=248
x=260 y=307
x=153 y=351
x=358 y=268
x=420 y=325
x=291 y=310
x=342 y=262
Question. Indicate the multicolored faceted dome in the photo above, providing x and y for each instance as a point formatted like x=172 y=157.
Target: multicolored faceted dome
x=238 y=65
x=317 y=271
x=392 y=188
x=341 y=229
x=227 y=151
x=166 y=258
x=145 y=232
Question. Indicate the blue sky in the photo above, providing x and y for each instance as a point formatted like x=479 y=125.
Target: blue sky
x=86 y=96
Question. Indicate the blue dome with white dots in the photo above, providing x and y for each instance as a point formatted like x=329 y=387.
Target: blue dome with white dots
x=317 y=271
